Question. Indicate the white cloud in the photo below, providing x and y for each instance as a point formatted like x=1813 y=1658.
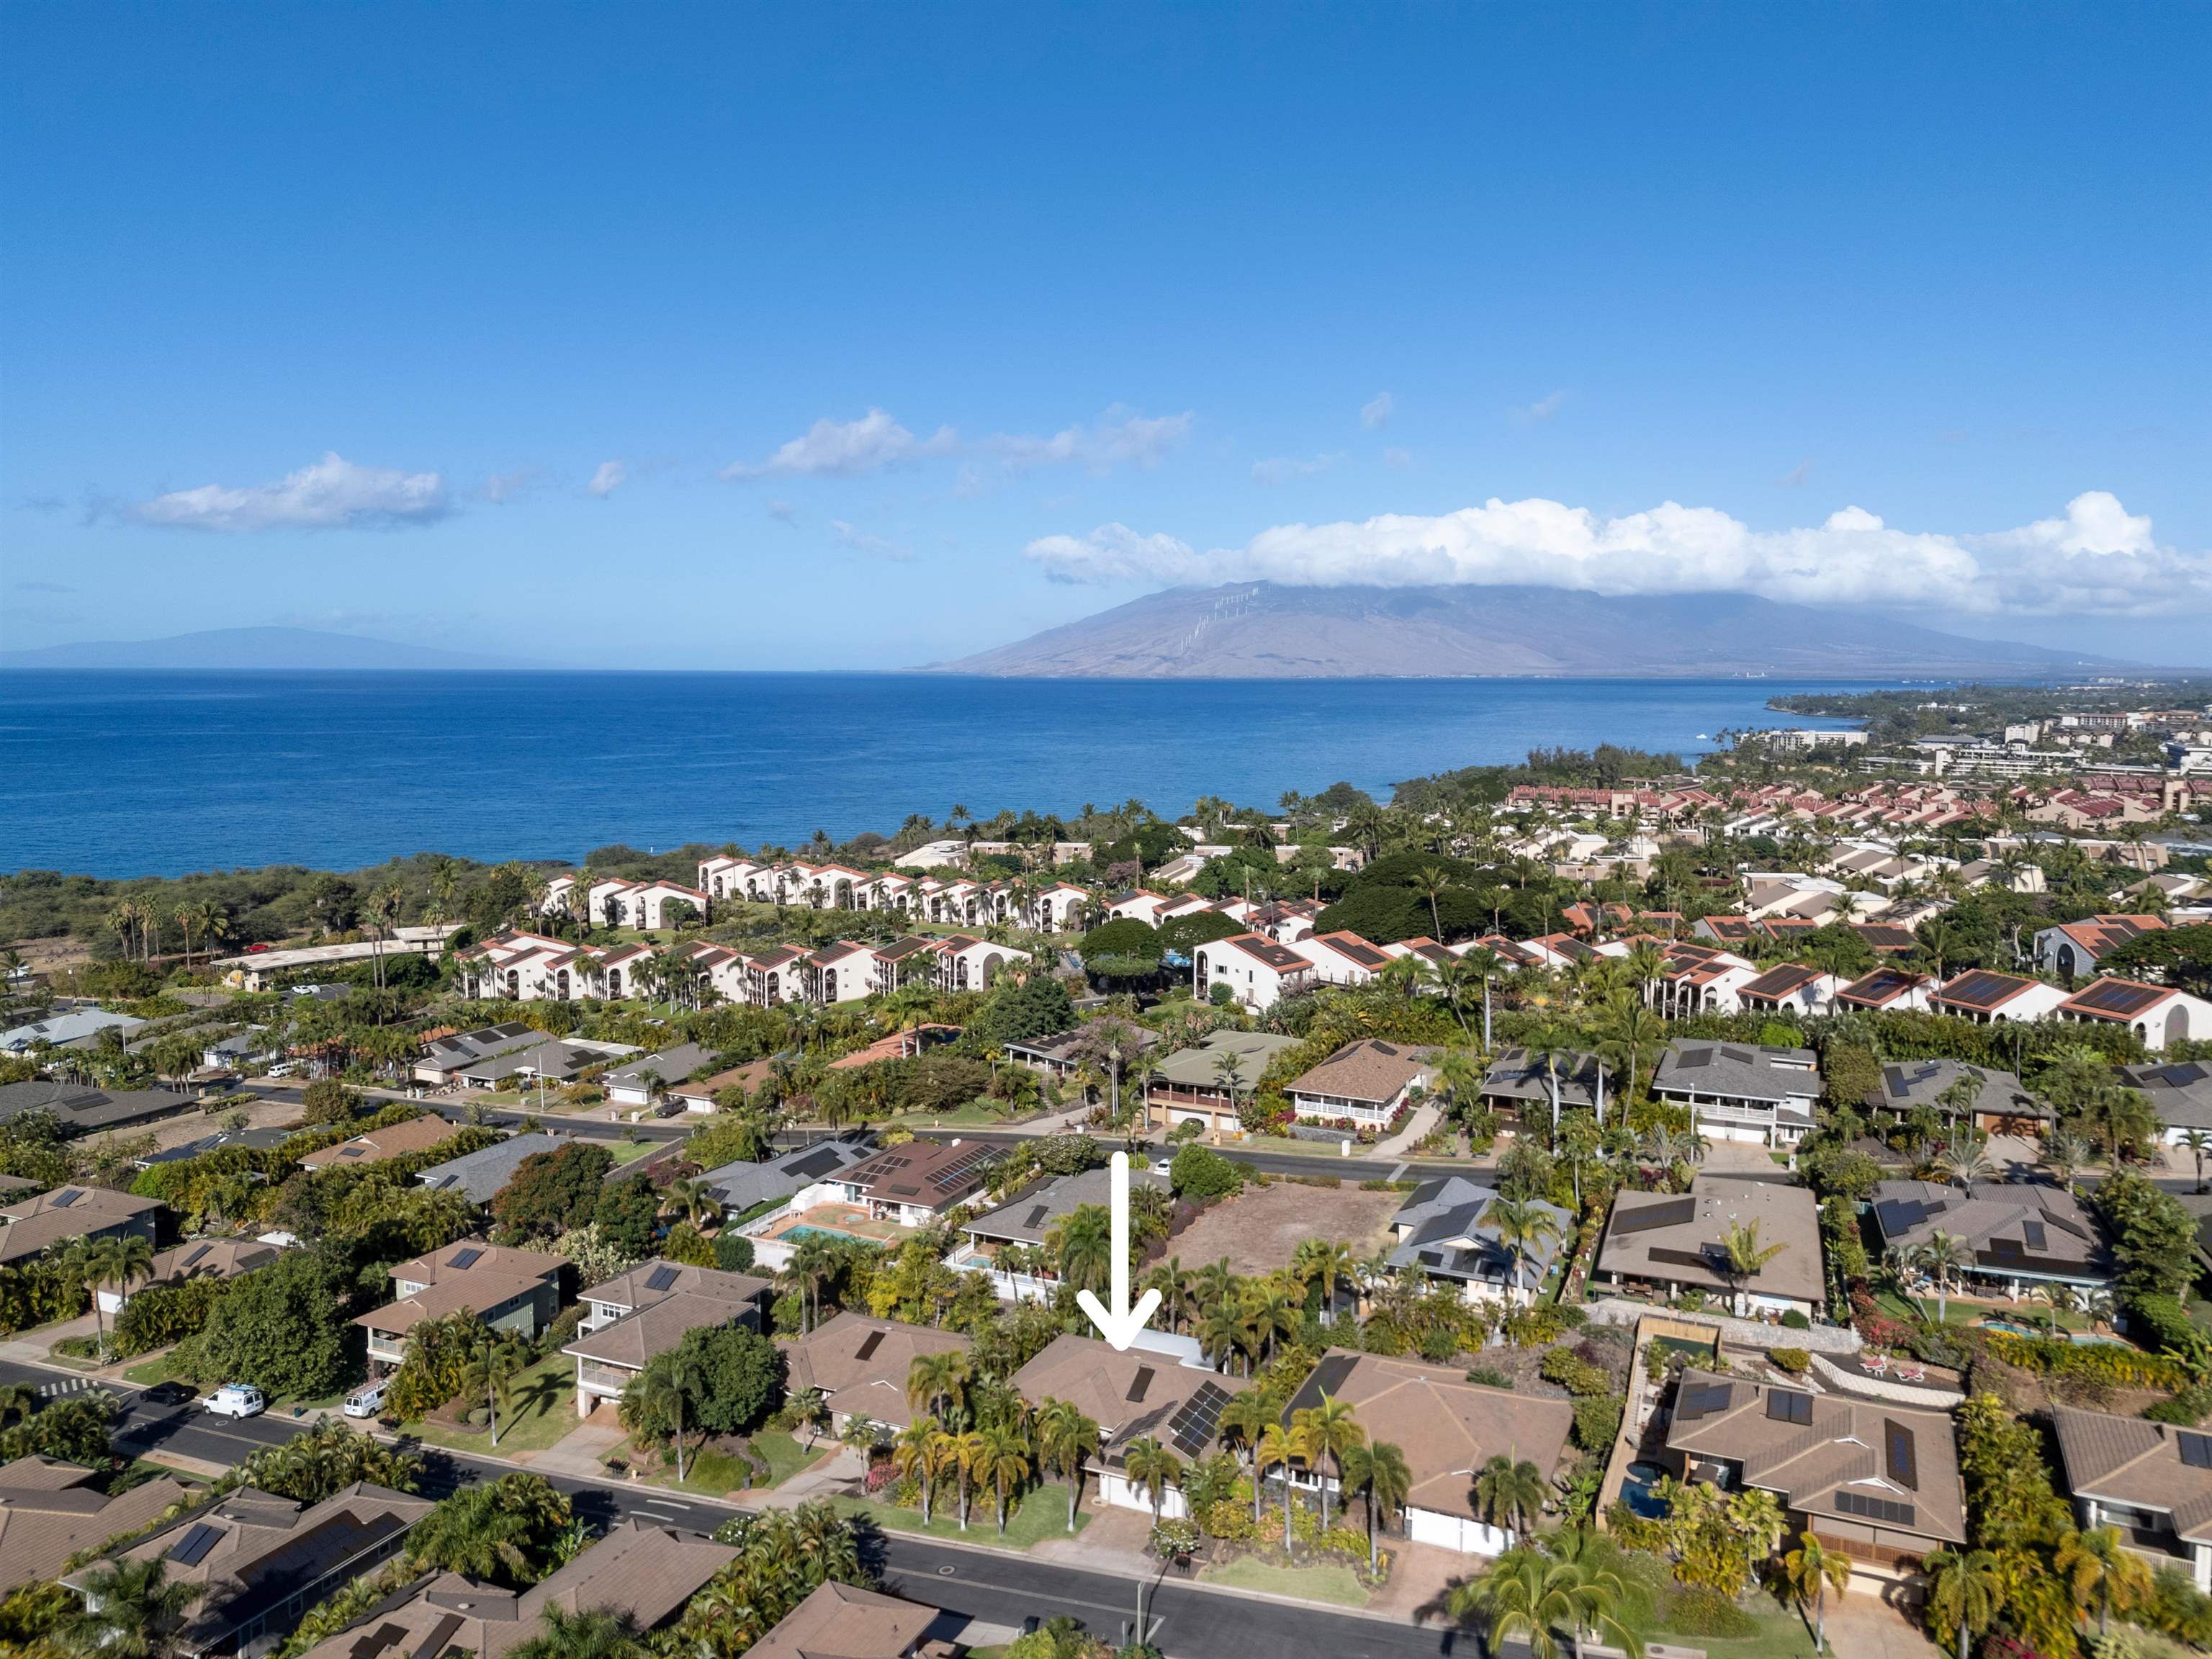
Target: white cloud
x=846 y=449
x=334 y=493
x=1119 y=437
x=610 y=477
x=2097 y=557
x=875 y=547
x=1282 y=468
x=1542 y=410
x=1375 y=413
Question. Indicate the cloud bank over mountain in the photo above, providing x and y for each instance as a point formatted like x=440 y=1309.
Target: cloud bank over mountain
x=2096 y=557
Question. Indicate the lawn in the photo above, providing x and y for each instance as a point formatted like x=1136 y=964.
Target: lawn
x=158 y=1369
x=2034 y=1314
x=712 y=1473
x=1330 y=1582
x=544 y=1396
x=1043 y=1515
x=629 y=1152
x=974 y=1115
x=1782 y=1635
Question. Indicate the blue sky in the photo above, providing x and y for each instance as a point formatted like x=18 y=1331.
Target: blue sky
x=869 y=336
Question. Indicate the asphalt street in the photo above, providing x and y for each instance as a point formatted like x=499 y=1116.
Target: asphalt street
x=1187 y=1621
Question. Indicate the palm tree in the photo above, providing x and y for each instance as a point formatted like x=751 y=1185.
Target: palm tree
x=1221 y=1333
x=969 y=1457
x=914 y=1453
x=1431 y=883
x=1511 y=1495
x=497 y=1363
x=664 y=1388
x=1274 y=1448
x=1531 y=1593
x=813 y=1259
x=131 y=1610
x=1811 y=1571
x=1271 y=1315
x=1758 y=1516
x=120 y=1259
x=1155 y=1468
x=1328 y=1260
x=1968 y=1165
x=1553 y=1043
x=2100 y=1569
x=1327 y=1431
x=1084 y=1243
x=1379 y=1475
x=1229 y=1072
x=1168 y=1279
x=938 y=1382
x=1939 y=1256
x=1746 y=1257
x=2199 y=1142
x=1522 y=1224
x=2063 y=1154
x=1069 y=1440
x=1964 y=1588
x=1005 y=1461
x=590 y=1633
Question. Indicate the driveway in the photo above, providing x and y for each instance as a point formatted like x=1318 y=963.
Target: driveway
x=1868 y=1624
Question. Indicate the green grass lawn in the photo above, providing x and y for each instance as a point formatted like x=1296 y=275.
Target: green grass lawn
x=1782 y=1635
x=158 y=1369
x=2034 y=1314
x=787 y=1455
x=629 y=1152
x=544 y=1397
x=1043 y=1515
x=712 y=1473
x=1331 y=1581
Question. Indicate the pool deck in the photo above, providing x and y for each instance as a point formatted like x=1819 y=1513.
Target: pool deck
x=842 y=1220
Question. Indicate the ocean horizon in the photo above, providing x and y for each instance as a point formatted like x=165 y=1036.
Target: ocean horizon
x=163 y=772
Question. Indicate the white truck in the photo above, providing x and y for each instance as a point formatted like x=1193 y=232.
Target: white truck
x=237 y=1400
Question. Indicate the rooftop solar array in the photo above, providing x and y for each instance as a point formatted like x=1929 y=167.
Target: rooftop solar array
x=1901 y=1454
x=1982 y=989
x=661 y=1277
x=1873 y=1509
x=1192 y=1428
x=190 y=1550
x=465 y=1259
x=2118 y=997
x=1645 y=1216
x=1702 y=1400
x=67 y=1196
x=1788 y=1406
x=820 y=1161
x=2195 y=1448
x=1140 y=1385
x=199 y=1251
x=867 y=1348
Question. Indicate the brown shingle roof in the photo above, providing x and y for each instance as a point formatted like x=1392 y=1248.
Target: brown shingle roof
x=1367 y=1070
x=863 y=1377
x=1129 y=1393
x=417 y=1134
x=2130 y=1461
x=48 y=1513
x=840 y=1622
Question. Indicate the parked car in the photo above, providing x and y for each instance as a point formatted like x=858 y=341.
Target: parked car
x=237 y=1400
x=366 y=1401
x=169 y=1394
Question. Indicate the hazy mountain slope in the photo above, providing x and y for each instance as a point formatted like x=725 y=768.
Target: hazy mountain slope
x=294 y=648
x=1262 y=630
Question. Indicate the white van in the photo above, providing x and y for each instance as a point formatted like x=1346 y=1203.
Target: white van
x=236 y=1399
x=366 y=1401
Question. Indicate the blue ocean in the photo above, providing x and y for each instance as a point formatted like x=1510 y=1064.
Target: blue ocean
x=121 y=773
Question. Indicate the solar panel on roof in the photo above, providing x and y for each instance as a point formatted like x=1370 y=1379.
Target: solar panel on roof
x=1645 y=1216
x=1873 y=1509
x=1037 y=1216
x=350 y=1151
x=867 y=1349
x=1787 y=1405
x=464 y=1260
x=199 y=1251
x=1702 y=1400
x=2037 y=1237
x=67 y=1197
x=820 y=1161
x=660 y=1278
x=1192 y=1428
x=1897 y=1216
x=192 y=1547
x=2195 y=1448
x=1139 y=1385
x=1901 y=1454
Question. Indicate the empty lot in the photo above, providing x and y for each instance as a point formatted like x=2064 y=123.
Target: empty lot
x=1258 y=1230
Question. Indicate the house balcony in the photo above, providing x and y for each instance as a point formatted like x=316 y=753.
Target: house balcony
x=605 y=1379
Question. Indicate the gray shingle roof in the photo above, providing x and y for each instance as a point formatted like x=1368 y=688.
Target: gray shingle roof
x=478 y=1175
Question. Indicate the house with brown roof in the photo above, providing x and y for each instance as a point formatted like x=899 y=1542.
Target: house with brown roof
x=1362 y=1085
x=198 y=1257
x=261 y=1561
x=2016 y=1234
x=2158 y=1014
x=1875 y=1480
x=861 y=1365
x=35 y=1224
x=1193 y=1086
x=837 y=1621
x=1988 y=998
x=643 y=1569
x=1791 y=987
x=1162 y=1390
x=506 y=1288
x=648 y=1311
x=1668 y=1243
x=916 y=1183
x=1888 y=989
x=1258 y=971
x=50 y=1509
x=2073 y=950
x=2152 y=1480
x=416 y=1134
x=2001 y=1102
x=1447 y=1428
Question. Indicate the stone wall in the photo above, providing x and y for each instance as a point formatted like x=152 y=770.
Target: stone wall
x=1741 y=1333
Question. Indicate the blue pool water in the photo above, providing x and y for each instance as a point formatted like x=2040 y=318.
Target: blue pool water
x=1636 y=1486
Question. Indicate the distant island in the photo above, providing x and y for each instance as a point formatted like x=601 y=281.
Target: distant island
x=287 y=648
x=1266 y=630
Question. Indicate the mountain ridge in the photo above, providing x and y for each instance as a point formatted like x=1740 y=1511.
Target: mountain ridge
x=275 y=648
x=1269 y=630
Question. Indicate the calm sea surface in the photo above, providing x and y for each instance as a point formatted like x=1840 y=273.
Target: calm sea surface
x=135 y=773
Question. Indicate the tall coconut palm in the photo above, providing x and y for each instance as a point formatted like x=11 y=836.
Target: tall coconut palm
x=1274 y=1449
x=968 y=1456
x=1379 y=1473
x=915 y=1455
x=1811 y=1571
x=1329 y=1261
x=1327 y=1432
x=1941 y=1256
x=1068 y=1441
x=1745 y=1256
x=121 y=1259
x=1535 y=1596
x=1965 y=1590
x=1551 y=1042
x=937 y=1383
x=589 y=1633
x=1221 y=1332
x=1173 y=1283
x=1004 y=1464
x=492 y=1374
x=1522 y=1224
x=1083 y=1243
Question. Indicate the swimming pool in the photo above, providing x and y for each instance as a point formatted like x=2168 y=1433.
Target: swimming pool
x=1636 y=1486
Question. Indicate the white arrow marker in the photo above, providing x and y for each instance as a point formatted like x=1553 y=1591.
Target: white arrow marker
x=1120 y=1327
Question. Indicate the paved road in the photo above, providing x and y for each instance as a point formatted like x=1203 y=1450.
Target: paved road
x=1188 y=1622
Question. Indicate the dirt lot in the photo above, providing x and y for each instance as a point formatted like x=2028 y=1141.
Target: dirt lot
x=1258 y=1230
x=195 y=1126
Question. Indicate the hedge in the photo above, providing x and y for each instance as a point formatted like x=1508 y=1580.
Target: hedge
x=2087 y=1362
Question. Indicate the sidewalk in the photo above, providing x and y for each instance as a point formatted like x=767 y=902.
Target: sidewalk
x=1424 y=1118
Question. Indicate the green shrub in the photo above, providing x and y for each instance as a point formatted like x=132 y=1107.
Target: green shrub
x=1575 y=1374
x=1485 y=1376
x=2109 y=1363
x=1202 y=1172
x=1794 y=1320
x=1597 y=1421
x=1796 y=1361
x=733 y=1253
x=158 y=1315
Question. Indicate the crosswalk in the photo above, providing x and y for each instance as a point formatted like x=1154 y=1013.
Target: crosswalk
x=64 y=1385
